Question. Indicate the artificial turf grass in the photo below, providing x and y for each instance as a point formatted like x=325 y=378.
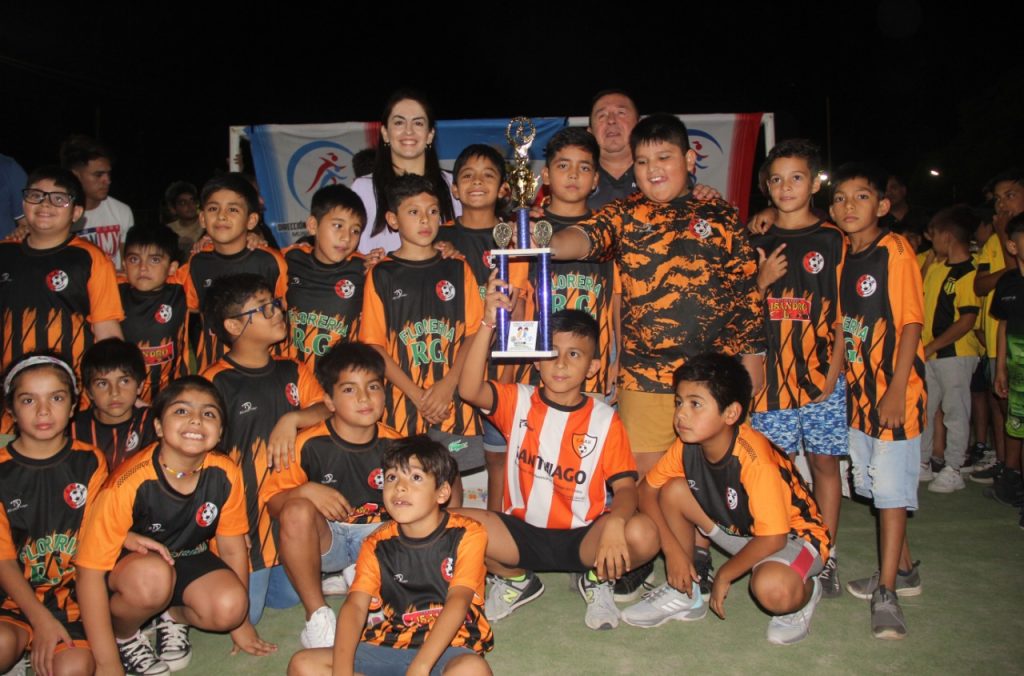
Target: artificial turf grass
x=968 y=619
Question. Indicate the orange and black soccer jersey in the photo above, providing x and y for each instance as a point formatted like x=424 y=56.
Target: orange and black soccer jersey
x=879 y=294
x=155 y=321
x=138 y=498
x=420 y=312
x=117 y=442
x=688 y=284
x=800 y=311
x=408 y=581
x=43 y=502
x=948 y=294
x=199 y=273
x=50 y=297
x=754 y=490
x=256 y=400
x=560 y=459
x=324 y=301
x=323 y=457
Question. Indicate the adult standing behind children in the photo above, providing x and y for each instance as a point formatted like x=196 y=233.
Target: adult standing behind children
x=406 y=146
x=613 y=115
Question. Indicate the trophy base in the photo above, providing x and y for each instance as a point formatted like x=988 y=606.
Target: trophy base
x=531 y=354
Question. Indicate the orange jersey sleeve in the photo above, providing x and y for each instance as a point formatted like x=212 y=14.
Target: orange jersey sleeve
x=310 y=391
x=906 y=295
x=617 y=455
x=669 y=466
x=293 y=475
x=367 y=567
x=104 y=297
x=7 y=551
x=470 y=569
x=768 y=499
x=372 y=330
x=281 y=286
x=474 y=305
x=108 y=518
x=185 y=279
x=233 y=517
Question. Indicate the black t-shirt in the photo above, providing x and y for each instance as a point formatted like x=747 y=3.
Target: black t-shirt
x=1008 y=302
x=155 y=321
x=120 y=441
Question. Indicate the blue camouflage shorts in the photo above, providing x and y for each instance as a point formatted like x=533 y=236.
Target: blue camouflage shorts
x=821 y=427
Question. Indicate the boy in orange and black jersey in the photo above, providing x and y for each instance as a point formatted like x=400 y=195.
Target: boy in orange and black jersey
x=419 y=580
x=325 y=289
x=264 y=395
x=419 y=312
x=155 y=306
x=230 y=210
x=803 y=402
x=113 y=371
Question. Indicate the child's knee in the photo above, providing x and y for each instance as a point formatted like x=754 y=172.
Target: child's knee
x=674 y=494
x=467 y=665
x=74 y=662
x=147 y=583
x=227 y=609
x=297 y=516
x=310 y=662
x=642 y=537
x=12 y=644
x=777 y=588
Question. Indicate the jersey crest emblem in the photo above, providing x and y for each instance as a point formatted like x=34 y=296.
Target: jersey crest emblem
x=163 y=313
x=376 y=479
x=57 y=280
x=132 y=442
x=584 y=444
x=701 y=228
x=206 y=514
x=345 y=288
x=75 y=495
x=447 y=568
x=814 y=262
x=488 y=260
x=445 y=290
x=291 y=393
x=866 y=286
x=732 y=498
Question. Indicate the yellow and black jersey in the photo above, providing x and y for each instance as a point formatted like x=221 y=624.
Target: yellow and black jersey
x=408 y=581
x=42 y=503
x=138 y=498
x=800 y=312
x=117 y=442
x=754 y=490
x=256 y=400
x=689 y=284
x=323 y=457
x=420 y=312
x=324 y=301
x=199 y=273
x=155 y=321
x=949 y=293
x=879 y=294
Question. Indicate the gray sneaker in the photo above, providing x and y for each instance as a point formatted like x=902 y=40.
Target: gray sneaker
x=907 y=584
x=602 y=613
x=506 y=595
x=829 y=579
x=886 y=616
x=665 y=603
x=794 y=627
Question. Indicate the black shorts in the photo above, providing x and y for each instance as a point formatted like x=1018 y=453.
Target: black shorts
x=547 y=549
x=188 y=569
x=979 y=379
x=76 y=630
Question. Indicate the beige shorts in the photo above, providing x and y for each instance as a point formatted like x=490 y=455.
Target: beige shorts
x=648 y=420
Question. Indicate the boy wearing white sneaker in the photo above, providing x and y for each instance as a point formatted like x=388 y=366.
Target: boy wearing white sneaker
x=742 y=492
x=950 y=346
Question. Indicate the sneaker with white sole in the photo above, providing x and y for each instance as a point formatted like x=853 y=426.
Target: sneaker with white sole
x=506 y=595
x=172 y=645
x=926 y=473
x=665 y=603
x=137 y=657
x=334 y=585
x=794 y=627
x=907 y=584
x=602 y=613
x=886 y=615
x=947 y=481
x=635 y=583
x=829 y=578
x=988 y=459
x=319 y=630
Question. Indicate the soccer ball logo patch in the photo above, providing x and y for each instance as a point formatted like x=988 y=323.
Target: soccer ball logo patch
x=814 y=262
x=163 y=313
x=291 y=393
x=488 y=260
x=75 y=494
x=701 y=228
x=445 y=290
x=866 y=285
x=732 y=498
x=57 y=280
x=206 y=515
x=447 y=569
x=345 y=288
x=584 y=444
x=376 y=479
x=133 y=441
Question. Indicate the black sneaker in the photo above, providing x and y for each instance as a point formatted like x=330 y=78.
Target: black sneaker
x=829 y=579
x=172 y=644
x=974 y=454
x=1008 y=489
x=137 y=657
x=635 y=583
x=936 y=464
x=706 y=573
x=987 y=476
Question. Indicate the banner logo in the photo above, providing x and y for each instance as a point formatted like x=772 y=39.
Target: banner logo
x=315 y=165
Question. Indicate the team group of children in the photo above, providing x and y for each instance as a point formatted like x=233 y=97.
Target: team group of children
x=336 y=399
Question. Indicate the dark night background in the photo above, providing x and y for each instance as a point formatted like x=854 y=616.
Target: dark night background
x=905 y=83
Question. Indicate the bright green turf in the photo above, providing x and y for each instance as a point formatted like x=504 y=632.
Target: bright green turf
x=970 y=618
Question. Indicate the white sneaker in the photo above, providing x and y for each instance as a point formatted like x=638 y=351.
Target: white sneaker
x=926 y=473
x=665 y=603
x=319 y=631
x=334 y=585
x=602 y=613
x=947 y=481
x=172 y=645
x=794 y=627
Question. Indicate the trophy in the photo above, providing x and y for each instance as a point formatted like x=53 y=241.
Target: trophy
x=526 y=339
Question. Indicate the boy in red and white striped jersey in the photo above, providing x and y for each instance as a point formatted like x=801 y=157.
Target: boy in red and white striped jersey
x=564 y=450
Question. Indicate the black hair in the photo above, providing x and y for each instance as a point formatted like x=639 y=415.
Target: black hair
x=660 y=127
x=384 y=169
x=177 y=189
x=876 y=177
x=235 y=182
x=1014 y=174
x=1015 y=225
x=608 y=92
x=227 y=296
x=486 y=152
x=959 y=219
x=176 y=388
x=63 y=374
x=434 y=458
x=78 y=150
x=62 y=178
x=112 y=354
x=576 y=137
x=362 y=162
x=347 y=355
x=723 y=375
x=338 y=196
x=406 y=186
x=796 y=147
x=578 y=323
x=158 y=237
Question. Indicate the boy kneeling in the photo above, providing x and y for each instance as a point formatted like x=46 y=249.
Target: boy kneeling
x=729 y=481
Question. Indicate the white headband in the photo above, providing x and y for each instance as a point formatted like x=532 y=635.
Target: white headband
x=36 y=361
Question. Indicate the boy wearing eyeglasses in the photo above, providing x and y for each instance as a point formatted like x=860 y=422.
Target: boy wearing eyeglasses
x=265 y=394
